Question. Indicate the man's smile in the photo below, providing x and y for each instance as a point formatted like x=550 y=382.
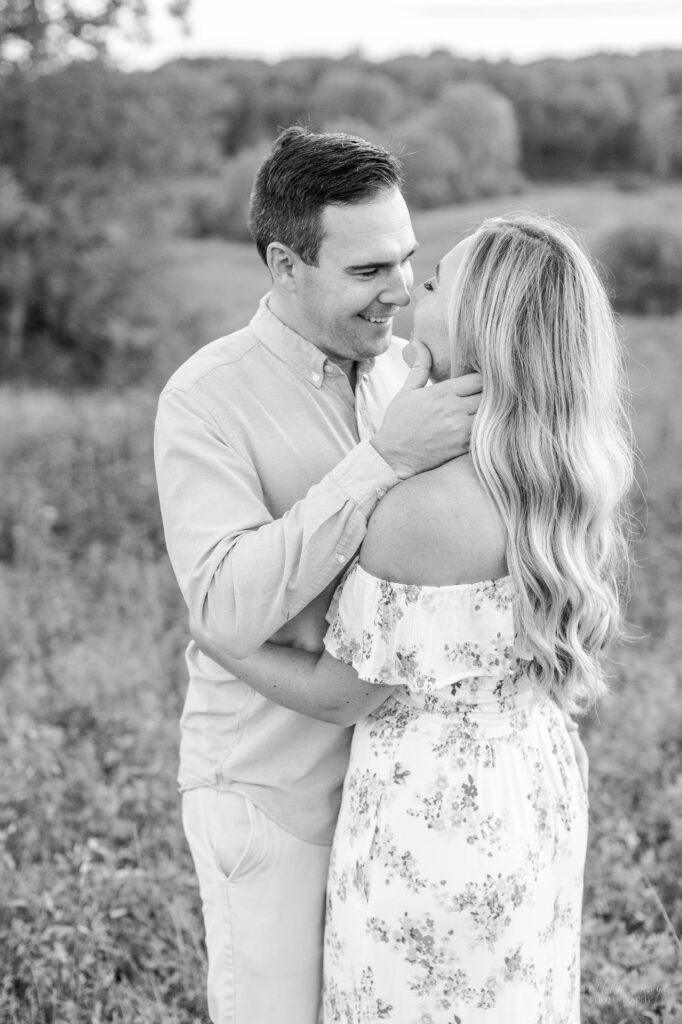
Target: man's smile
x=375 y=319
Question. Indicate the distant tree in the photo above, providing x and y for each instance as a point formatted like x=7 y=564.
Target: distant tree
x=86 y=119
x=288 y=88
x=42 y=34
x=423 y=78
x=67 y=273
x=435 y=170
x=660 y=137
x=245 y=122
x=219 y=208
x=353 y=92
x=236 y=184
x=71 y=130
x=481 y=123
x=574 y=123
x=22 y=224
x=645 y=263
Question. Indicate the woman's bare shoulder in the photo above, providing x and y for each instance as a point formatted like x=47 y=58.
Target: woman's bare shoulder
x=436 y=529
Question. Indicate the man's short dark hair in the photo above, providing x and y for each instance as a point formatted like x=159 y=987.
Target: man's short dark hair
x=305 y=172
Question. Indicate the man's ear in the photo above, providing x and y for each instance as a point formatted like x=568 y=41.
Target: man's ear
x=281 y=262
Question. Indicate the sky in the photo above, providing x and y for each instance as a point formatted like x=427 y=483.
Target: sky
x=521 y=30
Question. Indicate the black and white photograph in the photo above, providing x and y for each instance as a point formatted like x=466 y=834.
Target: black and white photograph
x=340 y=512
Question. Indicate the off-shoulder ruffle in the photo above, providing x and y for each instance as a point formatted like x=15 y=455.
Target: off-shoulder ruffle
x=422 y=637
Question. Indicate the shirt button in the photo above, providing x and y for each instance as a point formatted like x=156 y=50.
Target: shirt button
x=380 y=492
x=340 y=558
x=317 y=378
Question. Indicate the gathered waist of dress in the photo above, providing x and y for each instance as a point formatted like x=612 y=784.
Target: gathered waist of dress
x=486 y=699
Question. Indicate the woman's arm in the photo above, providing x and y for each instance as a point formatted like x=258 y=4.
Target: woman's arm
x=316 y=685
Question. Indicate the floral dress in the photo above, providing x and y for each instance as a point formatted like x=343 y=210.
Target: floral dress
x=455 y=883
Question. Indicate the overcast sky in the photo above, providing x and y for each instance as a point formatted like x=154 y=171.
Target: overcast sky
x=519 y=29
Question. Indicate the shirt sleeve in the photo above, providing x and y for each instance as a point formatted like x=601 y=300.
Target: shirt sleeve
x=242 y=573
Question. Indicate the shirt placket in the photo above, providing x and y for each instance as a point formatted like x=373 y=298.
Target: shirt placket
x=364 y=423
x=361 y=414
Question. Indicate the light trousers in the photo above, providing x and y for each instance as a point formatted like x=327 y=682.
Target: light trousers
x=263 y=894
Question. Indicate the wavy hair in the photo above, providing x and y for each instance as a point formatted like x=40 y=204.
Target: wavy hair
x=551 y=440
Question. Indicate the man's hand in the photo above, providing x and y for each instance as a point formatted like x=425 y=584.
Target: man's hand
x=424 y=427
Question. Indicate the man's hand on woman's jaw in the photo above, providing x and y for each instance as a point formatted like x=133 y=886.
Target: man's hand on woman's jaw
x=425 y=427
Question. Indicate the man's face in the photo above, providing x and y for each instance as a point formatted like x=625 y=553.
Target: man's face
x=346 y=304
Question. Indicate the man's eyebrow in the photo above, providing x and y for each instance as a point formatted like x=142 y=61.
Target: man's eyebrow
x=379 y=265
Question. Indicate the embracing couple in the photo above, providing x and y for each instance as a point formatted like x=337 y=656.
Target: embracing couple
x=436 y=567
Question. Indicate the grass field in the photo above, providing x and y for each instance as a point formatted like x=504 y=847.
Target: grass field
x=99 y=914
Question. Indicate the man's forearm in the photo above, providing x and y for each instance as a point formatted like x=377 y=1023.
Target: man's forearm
x=271 y=573
x=244 y=574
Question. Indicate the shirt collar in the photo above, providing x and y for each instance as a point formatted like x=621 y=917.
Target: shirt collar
x=294 y=349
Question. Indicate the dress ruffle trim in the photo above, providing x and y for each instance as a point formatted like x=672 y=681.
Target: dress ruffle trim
x=422 y=637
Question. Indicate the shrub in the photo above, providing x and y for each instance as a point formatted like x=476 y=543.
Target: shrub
x=482 y=124
x=219 y=207
x=461 y=146
x=434 y=167
x=353 y=92
x=90 y=118
x=69 y=270
x=645 y=265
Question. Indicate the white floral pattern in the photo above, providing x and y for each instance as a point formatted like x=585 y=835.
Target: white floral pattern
x=455 y=884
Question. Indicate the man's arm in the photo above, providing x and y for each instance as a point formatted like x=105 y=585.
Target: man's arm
x=244 y=575
x=316 y=685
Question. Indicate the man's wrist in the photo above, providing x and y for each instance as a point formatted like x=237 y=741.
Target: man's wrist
x=392 y=460
x=365 y=476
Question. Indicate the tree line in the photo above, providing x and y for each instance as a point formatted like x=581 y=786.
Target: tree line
x=463 y=127
x=95 y=162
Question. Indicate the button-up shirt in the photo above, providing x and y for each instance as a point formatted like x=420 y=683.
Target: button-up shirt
x=266 y=480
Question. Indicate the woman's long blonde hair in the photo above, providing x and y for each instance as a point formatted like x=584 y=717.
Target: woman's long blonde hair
x=551 y=440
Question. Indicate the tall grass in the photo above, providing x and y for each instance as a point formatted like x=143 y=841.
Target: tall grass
x=98 y=909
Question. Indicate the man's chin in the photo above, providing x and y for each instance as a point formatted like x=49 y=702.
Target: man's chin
x=383 y=343
x=367 y=346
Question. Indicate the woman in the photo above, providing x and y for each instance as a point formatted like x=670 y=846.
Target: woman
x=484 y=595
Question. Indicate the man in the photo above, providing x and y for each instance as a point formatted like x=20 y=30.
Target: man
x=273 y=447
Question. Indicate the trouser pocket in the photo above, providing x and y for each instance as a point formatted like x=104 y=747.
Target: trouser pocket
x=232 y=833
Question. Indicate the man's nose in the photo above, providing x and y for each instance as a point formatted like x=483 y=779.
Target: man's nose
x=397 y=290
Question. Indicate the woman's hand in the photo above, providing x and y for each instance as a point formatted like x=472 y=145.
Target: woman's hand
x=582 y=760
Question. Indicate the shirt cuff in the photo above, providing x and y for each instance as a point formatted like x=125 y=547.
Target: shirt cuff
x=364 y=476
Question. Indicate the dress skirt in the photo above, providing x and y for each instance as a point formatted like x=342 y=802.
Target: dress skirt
x=456 y=875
